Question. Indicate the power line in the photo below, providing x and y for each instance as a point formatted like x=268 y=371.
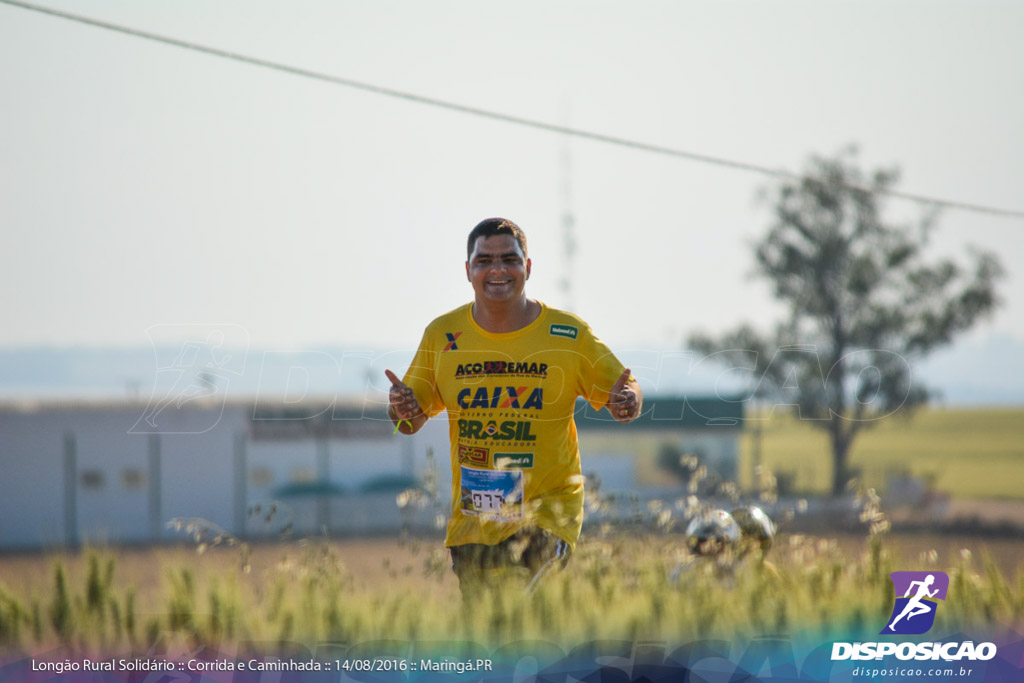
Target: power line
x=499 y=116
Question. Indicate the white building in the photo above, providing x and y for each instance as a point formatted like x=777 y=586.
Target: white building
x=118 y=472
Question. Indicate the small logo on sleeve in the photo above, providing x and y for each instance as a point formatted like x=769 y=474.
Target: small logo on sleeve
x=564 y=331
x=451 y=336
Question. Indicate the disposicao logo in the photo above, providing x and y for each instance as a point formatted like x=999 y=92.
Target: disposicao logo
x=917 y=596
x=914 y=612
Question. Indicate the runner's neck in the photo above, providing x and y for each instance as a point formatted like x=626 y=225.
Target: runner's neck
x=511 y=316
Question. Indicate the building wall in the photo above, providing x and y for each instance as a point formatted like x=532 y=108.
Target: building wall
x=100 y=473
x=91 y=473
x=81 y=474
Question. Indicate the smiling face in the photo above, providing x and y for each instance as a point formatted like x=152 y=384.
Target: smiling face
x=497 y=268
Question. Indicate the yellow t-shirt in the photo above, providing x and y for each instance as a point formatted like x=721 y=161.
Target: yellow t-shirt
x=510 y=399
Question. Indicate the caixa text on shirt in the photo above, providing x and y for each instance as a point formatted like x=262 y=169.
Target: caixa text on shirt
x=502 y=367
x=508 y=430
x=501 y=397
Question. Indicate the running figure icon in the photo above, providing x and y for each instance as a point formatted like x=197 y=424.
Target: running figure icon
x=916 y=605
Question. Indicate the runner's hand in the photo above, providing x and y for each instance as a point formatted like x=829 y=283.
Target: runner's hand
x=623 y=402
x=403 y=400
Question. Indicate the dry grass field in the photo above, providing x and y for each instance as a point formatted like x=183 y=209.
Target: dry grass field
x=617 y=586
x=622 y=584
x=379 y=564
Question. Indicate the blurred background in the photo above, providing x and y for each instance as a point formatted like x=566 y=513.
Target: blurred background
x=185 y=235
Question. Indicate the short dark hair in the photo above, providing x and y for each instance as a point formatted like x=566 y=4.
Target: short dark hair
x=495 y=226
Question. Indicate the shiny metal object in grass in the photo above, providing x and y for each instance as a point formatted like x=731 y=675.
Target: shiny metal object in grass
x=756 y=527
x=711 y=533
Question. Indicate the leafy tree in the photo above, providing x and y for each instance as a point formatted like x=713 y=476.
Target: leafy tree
x=863 y=304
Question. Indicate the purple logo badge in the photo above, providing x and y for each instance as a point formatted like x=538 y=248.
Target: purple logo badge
x=916 y=601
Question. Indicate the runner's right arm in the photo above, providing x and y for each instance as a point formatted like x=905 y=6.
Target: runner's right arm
x=403 y=408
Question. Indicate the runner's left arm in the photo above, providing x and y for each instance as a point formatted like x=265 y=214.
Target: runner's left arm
x=626 y=398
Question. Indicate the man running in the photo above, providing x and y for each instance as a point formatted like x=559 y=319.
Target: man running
x=508 y=369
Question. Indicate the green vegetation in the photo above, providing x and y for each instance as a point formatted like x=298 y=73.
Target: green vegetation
x=862 y=296
x=968 y=453
x=616 y=587
x=621 y=584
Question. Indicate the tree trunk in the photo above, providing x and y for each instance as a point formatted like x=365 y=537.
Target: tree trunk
x=840 y=451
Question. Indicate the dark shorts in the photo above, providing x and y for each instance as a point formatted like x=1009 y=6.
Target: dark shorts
x=533 y=550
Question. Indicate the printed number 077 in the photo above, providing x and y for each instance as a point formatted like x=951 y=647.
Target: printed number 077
x=493 y=501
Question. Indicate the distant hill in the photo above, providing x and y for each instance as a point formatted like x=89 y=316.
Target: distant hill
x=988 y=371
x=976 y=372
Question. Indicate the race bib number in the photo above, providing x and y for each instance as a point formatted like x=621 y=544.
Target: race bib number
x=493 y=494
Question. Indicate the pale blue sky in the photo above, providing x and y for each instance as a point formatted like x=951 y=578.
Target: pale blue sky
x=148 y=188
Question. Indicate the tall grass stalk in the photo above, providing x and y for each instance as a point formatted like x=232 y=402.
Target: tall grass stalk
x=629 y=587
